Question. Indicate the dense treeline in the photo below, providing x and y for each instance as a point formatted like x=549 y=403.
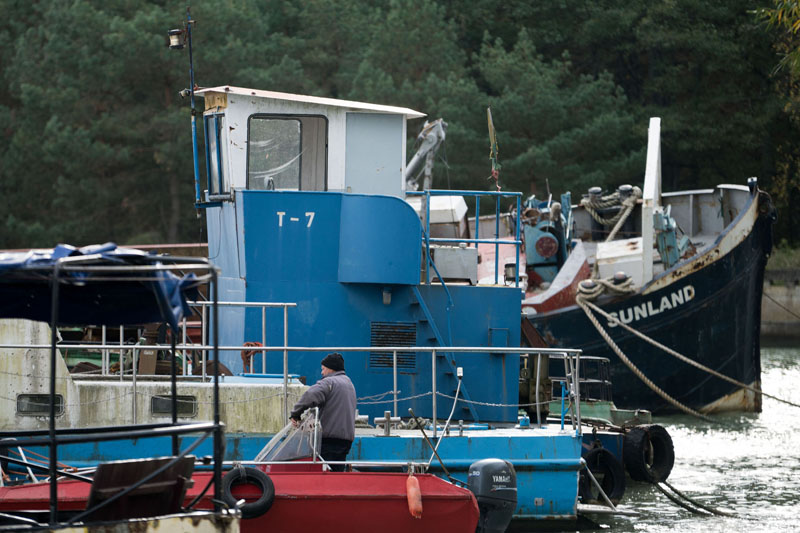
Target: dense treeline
x=96 y=141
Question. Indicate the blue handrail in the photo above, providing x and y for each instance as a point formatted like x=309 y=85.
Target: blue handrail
x=496 y=241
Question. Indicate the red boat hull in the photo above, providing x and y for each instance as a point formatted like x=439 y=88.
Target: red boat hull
x=306 y=501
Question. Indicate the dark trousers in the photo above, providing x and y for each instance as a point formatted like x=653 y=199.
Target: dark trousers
x=335 y=450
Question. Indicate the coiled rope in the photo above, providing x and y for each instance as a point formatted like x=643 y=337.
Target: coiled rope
x=593 y=206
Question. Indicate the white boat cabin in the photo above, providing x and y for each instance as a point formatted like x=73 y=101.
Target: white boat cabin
x=265 y=140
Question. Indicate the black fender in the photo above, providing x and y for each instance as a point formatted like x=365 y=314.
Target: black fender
x=248 y=475
x=609 y=473
x=648 y=453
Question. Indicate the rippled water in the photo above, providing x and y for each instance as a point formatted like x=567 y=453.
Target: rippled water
x=749 y=464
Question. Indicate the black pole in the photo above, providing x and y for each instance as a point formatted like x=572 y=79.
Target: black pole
x=174 y=378
x=189 y=22
x=197 y=197
x=53 y=447
x=217 y=429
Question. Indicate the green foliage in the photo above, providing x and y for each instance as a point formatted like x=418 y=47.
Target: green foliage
x=96 y=142
x=784 y=17
x=573 y=131
x=784 y=20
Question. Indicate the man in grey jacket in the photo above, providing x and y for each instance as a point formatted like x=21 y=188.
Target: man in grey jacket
x=335 y=396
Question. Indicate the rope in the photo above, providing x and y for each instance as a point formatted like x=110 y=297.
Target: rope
x=580 y=300
x=487 y=404
x=696 y=503
x=379 y=396
x=399 y=399
x=628 y=204
x=679 y=503
x=687 y=359
x=34 y=376
x=211 y=402
x=449 y=397
x=611 y=200
x=590 y=291
x=148 y=395
x=776 y=302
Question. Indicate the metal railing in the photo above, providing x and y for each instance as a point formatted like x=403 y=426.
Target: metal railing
x=601 y=382
x=80 y=271
x=456 y=241
x=571 y=359
x=123 y=347
x=203 y=305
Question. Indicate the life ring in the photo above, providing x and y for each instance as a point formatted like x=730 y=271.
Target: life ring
x=247 y=475
x=648 y=453
x=608 y=471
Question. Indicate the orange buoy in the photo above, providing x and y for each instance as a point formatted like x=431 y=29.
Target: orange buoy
x=414 y=496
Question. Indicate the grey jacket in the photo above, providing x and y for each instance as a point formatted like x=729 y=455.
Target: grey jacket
x=336 y=398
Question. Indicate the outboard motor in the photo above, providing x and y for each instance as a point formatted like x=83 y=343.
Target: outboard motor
x=494 y=483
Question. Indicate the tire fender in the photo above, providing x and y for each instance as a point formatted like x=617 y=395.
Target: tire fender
x=248 y=475
x=648 y=453
x=602 y=463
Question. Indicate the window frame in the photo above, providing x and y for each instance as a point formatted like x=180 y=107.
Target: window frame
x=59 y=401
x=287 y=116
x=185 y=399
x=222 y=191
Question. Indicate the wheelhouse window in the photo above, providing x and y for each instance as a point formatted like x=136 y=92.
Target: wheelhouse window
x=287 y=153
x=214 y=155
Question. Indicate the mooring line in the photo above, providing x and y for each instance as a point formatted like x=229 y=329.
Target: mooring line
x=685 y=359
x=698 y=504
x=776 y=302
x=655 y=388
x=679 y=503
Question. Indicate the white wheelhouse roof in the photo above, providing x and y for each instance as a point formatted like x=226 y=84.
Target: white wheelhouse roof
x=362 y=106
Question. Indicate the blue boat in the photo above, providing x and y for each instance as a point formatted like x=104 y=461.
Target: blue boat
x=306 y=203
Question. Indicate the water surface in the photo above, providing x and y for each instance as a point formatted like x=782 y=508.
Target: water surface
x=748 y=464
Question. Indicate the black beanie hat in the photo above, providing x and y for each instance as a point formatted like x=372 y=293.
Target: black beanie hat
x=334 y=361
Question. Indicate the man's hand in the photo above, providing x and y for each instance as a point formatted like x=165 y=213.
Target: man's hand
x=295 y=422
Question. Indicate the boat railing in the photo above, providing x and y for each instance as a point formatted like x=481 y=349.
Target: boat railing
x=123 y=347
x=263 y=306
x=97 y=270
x=594 y=378
x=571 y=357
x=497 y=241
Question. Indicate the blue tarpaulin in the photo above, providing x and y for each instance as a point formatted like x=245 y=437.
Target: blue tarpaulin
x=86 y=297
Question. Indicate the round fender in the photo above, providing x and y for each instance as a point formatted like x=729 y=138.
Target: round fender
x=250 y=476
x=609 y=473
x=648 y=453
